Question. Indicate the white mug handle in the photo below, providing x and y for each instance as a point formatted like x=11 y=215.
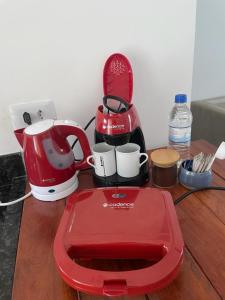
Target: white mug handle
x=144 y=161
x=88 y=160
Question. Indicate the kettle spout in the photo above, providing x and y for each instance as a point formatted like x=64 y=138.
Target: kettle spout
x=20 y=136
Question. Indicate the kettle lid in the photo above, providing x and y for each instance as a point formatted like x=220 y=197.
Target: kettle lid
x=39 y=127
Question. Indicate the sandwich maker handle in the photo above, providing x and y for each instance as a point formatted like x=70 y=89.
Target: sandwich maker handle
x=115 y=287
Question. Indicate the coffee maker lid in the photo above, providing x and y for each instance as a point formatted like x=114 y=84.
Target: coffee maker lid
x=118 y=77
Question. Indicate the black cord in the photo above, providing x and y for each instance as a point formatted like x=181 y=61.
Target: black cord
x=85 y=128
x=182 y=197
x=147 y=297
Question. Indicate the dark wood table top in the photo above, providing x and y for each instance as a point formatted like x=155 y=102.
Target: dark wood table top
x=201 y=217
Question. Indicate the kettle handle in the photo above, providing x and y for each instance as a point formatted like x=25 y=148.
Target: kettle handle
x=67 y=128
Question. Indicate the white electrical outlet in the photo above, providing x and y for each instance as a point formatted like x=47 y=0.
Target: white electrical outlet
x=37 y=110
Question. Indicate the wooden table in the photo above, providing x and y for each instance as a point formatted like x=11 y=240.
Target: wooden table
x=202 y=219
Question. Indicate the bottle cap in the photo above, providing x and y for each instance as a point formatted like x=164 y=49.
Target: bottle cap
x=181 y=98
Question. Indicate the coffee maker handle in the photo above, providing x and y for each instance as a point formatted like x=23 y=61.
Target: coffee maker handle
x=68 y=128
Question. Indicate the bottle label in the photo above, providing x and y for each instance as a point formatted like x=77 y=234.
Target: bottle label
x=179 y=135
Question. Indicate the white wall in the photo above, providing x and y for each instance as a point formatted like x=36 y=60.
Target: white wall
x=56 y=49
x=209 y=57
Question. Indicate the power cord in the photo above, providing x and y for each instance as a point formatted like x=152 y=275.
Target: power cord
x=183 y=196
x=15 y=201
x=85 y=128
x=177 y=201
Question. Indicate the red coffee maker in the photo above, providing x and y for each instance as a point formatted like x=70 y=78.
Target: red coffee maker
x=117 y=120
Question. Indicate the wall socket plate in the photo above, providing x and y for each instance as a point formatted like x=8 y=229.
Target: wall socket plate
x=38 y=110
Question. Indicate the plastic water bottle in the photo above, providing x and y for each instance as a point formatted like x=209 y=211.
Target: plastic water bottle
x=180 y=121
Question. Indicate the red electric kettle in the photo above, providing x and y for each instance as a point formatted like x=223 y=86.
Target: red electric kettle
x=49 y=159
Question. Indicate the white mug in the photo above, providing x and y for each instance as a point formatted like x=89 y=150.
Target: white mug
x=104 y=159
x=128 y=160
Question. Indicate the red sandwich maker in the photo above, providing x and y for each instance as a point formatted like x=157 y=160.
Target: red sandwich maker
x=119 y=240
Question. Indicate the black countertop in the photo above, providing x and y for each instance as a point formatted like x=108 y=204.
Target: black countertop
x=12 y=186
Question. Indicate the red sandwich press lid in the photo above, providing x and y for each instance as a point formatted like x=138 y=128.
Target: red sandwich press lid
x=117 y=241
x=118 y=77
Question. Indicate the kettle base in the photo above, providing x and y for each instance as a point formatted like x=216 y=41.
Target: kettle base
x=56 y=192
